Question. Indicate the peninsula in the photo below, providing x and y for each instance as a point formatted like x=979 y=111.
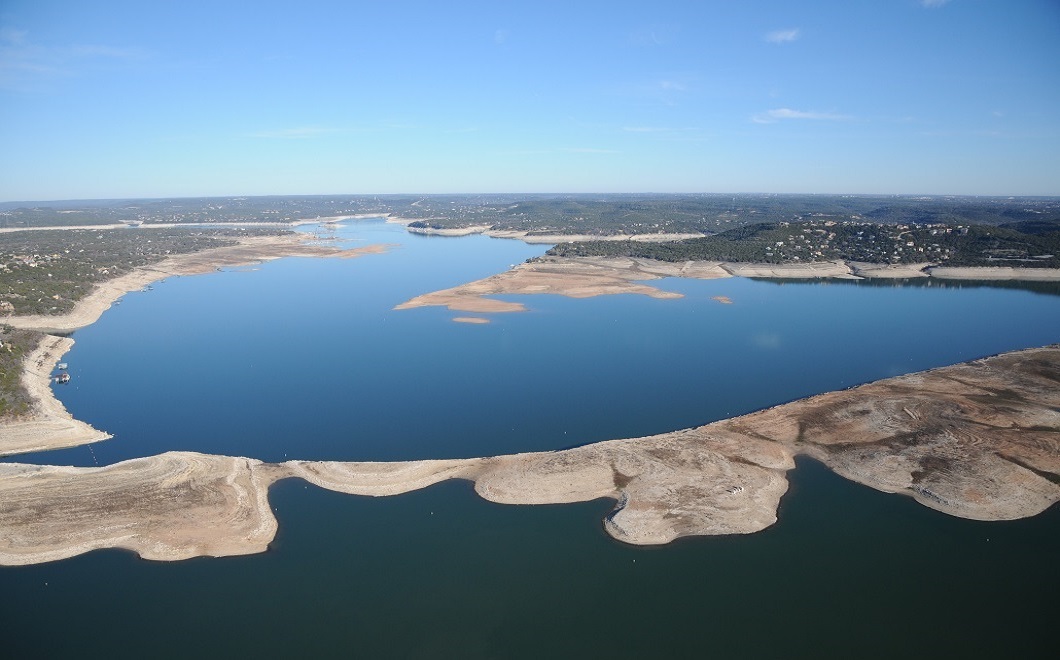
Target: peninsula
x=588 y=276
x=979 y=440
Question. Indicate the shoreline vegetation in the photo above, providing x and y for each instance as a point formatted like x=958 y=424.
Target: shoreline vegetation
x=49 y=425
x=249 y=250
x=972 y=457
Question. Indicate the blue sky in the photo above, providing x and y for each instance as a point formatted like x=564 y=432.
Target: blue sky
x=156 y=99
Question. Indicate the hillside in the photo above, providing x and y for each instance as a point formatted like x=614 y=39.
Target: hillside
x=827 y=240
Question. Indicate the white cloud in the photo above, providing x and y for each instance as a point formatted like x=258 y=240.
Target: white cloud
x=782 y=36
x=296 y=133
x=671 y=133
x=773 y=116
x=560 y=150
x=657 y=34
x=587 y=150
x=672 y=86
x=24 y=63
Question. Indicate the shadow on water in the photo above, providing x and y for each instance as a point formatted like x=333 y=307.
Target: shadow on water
x=1044 y=288
x=847 y=571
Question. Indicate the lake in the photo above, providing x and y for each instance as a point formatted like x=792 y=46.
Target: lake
x=305 y=358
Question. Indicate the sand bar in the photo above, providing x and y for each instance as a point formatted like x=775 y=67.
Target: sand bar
x=979 y=440
x=583 y=277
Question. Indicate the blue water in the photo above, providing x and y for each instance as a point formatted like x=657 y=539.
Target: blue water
x=305 y=358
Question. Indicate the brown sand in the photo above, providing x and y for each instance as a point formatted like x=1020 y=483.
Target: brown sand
x=51 y=426
x=575 y=278
x=976 y=440
x=583 y=277
x=172 y=506
x=888 y=271
x=250 y=250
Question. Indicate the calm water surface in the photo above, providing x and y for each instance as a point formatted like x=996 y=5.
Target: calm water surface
x=305 y=358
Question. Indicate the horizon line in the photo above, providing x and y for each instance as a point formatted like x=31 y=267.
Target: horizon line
x=516 y=194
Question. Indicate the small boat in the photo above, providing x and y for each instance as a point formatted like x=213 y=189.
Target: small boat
x=62 y=378
x=61 y=366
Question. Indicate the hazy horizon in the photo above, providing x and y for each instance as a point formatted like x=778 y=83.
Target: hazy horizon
x=925 y=196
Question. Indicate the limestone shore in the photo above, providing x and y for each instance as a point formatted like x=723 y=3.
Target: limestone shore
x=51 y=426
x=977 y=440
x=250 y=250
x=584 y=277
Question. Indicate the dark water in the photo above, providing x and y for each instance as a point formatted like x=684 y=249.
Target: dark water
x=305 y=359
x=846 y=572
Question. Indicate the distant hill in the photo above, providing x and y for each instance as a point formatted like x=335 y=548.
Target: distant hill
x=1035 y=226
x=602 y=214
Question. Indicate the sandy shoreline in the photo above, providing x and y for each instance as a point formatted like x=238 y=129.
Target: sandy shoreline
x=1002 y=273
x=985 y=450
x=250 y=250
x=584 y=277
x=184 y=505
x=52 y=427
